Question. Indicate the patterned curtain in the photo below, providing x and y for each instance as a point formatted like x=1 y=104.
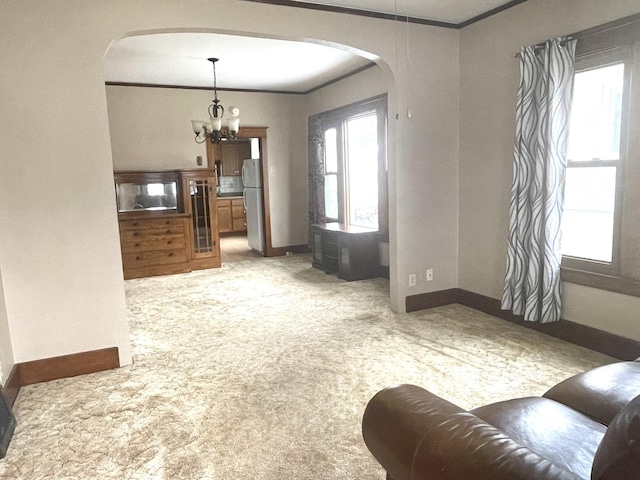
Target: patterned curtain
x=316 y=171
x=532 y=282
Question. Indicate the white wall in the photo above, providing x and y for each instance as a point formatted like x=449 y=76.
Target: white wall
x=424 y=174
x=59 y=245
x=489 y=81
x=151 y=130
x=366 y=84
x=6 y=350
x=422 y=152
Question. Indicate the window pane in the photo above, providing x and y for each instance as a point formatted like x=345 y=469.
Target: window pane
x=331 y=196
x=594 y=131
x=362 y=170
x=587 y=221
x=330 y=151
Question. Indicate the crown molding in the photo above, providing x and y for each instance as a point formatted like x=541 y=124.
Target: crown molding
x=389 y=16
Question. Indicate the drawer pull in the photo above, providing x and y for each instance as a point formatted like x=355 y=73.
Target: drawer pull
x=135 y=234
x=168 y=222
x=137 y=245
x=170 y=242
x=138 y=258
x=135 y=224
x=171 y=254
x=169 y=232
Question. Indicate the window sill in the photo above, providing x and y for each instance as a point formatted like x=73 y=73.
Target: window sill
x=625 y=286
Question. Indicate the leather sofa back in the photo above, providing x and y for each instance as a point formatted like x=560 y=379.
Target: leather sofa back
x=600 y=393
x=618 y=456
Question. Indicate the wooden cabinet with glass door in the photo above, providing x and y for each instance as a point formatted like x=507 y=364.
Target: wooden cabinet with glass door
x=199 y=190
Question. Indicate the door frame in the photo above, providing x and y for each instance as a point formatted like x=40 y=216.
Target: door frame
x=261 y=134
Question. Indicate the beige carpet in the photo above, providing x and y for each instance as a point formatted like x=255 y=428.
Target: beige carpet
x=261 y=370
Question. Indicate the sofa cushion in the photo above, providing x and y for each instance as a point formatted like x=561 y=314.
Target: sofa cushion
x=600 y=393
x=565 y=437
x=618 y=457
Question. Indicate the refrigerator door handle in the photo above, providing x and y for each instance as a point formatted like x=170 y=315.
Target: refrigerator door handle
x=244 y=196
x=244 y=176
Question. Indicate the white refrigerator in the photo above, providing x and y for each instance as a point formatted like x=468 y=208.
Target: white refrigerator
x=252 y=181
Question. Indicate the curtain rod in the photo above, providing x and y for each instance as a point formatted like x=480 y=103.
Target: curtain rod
x=627 y=27
x=539 y=46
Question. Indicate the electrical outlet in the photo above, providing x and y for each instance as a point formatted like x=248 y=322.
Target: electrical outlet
x=412 y=280
x=429 y=275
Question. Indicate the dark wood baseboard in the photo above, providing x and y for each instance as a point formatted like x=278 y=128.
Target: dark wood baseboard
x=424 y=301
x=592 y=338
x=281 y=251
x=7 y=423
x=12 y=387
x=47 y=369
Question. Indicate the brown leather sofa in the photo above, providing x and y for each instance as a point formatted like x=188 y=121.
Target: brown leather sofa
x=586 y=427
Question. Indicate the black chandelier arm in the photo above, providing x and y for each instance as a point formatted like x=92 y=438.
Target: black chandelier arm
x=216 y=110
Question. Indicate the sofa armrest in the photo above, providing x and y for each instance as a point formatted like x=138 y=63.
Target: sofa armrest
x=395 y=421
x=415 y=434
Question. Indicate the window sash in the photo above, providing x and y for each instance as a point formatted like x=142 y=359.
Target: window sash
x=597 y=46
x=601 y=60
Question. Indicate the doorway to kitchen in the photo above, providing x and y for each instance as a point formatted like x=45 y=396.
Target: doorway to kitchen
x=235 y=248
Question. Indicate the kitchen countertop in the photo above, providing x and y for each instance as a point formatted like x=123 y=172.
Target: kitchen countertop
x=228 y=195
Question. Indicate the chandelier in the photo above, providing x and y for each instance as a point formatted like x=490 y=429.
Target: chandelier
x=213 y=129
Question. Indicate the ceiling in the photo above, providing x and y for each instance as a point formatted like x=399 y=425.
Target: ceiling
x=264 y=64
x=247 y=63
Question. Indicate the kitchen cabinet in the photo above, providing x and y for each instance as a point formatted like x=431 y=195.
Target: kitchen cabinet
x=228 y=156
x=238 y=215
x=350 y=252
x=231 y=215
x=225 y=224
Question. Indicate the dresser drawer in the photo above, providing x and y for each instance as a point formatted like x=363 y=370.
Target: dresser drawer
x=151 y=223
x=151 y=234
x=237 y=202
x=156 y=257
x=163 y=242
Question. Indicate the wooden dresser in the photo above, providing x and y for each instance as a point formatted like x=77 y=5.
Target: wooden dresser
x=154 y=245
x=168 y=221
